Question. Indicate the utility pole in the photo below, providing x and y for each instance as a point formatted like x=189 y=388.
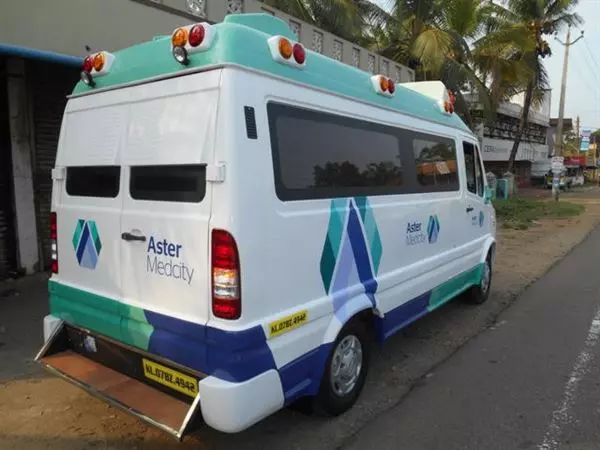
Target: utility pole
x=558 y=146
x=578 y=134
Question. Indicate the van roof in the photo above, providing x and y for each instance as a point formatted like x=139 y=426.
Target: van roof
x=241 y=39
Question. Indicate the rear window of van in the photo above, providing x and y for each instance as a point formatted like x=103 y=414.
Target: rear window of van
x=93 y=181
x=168 y=183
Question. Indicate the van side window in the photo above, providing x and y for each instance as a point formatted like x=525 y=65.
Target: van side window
x=473 y=169
x=171 y=183
x=318 y=155
x=479 y=172
x=93 y=181
x=435 y=159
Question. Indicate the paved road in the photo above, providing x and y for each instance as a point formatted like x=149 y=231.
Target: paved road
x=530 y=382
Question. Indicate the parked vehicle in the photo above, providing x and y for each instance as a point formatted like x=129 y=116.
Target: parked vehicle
x=563 y=180
x=575 y=175
x=235 y=220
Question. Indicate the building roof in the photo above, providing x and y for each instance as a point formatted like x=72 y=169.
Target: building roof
x=241 y=40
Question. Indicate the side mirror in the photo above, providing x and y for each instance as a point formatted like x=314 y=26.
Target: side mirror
x=488 y=195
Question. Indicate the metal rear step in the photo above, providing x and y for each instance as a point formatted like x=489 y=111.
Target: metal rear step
x=115 y=373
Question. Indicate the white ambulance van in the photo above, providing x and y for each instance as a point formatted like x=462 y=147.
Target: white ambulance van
x=236 y=220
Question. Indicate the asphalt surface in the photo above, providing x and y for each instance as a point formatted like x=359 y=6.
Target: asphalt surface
x=530 y=382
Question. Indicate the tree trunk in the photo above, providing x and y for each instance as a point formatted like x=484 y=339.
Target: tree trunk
x=522 y=126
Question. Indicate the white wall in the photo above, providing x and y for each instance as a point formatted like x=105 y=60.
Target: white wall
x=20 y=148
x=67 y=26
x=499 y=150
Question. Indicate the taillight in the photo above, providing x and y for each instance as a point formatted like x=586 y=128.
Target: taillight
x=285 y=48
x=299 y=53
x=282 y=50
x=391 y=86
x=54 y=242
x=226 y=292
x=99 y=61
x=88 y=64
x=196 y=36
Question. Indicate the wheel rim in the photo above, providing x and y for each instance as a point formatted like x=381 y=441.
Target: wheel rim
x=346 y=365
x=485 y=280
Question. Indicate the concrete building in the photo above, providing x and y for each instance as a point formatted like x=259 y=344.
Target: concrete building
x=497 y=140
x=42 y=45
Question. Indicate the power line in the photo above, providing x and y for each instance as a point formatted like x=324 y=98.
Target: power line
x=587 y=47
x=593 y=71
x=595 y=76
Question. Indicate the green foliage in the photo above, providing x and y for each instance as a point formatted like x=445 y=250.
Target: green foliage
x=521 y=213
x=492 y=50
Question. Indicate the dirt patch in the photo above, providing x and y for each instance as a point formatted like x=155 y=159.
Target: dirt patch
x=50 y=414
x=525 y=255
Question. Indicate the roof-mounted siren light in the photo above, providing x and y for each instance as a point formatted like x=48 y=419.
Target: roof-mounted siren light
x=96 y=65
x=191 y=39
x=286 y=51
x=383 y=85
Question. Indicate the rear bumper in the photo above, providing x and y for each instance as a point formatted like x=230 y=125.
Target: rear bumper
x=113 y=372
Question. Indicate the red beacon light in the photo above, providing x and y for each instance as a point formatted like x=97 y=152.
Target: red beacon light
x=288 y=52
x=383 y=85
x=96 y=65
x=191 y=39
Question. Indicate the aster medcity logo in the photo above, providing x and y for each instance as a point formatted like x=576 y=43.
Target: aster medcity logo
x=87 y=244
x=433 y=229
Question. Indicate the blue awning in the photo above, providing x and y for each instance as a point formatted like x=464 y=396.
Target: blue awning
x=43 y=55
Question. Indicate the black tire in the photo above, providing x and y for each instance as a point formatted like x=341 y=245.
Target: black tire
x=480 y=293
x=329 y=401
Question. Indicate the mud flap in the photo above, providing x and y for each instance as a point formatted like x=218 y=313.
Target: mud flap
x=157 y=392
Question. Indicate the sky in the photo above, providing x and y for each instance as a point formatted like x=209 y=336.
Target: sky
x=583 y=78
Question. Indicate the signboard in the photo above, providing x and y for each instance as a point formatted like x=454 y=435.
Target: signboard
x=557 y=164
x=585 y=139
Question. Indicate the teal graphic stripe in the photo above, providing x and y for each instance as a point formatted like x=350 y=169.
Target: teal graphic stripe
x=331 y=248
x=371 y=230
x=352 y=245
x=103 y=315
x=455 y=286
x=77 y=233
x=242 y=39
x=95 y=236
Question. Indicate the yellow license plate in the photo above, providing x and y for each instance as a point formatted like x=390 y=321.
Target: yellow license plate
x=288 y=323
x=170 y=378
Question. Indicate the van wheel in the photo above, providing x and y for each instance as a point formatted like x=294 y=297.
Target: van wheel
x=346 y=370
x=480 y=293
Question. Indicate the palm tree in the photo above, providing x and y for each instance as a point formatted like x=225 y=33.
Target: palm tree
x=446 y=40
x=536 y=18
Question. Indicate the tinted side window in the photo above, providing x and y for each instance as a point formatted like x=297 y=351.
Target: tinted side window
x=177 y=183
x=93 y=181
x=478 y=173
x=318 y=155
x=473 y=168
x=435 y=159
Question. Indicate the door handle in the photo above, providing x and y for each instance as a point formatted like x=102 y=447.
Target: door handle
x=132 y=237
x=469 y=209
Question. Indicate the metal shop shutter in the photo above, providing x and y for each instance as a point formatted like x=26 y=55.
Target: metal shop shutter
x=49 y=86
x=7 y=234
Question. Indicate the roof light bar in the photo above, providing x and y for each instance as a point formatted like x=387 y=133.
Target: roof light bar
x=96 y=65
x=288 y=52
x=191 y=39
x=447 y=103
x=383 y=85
